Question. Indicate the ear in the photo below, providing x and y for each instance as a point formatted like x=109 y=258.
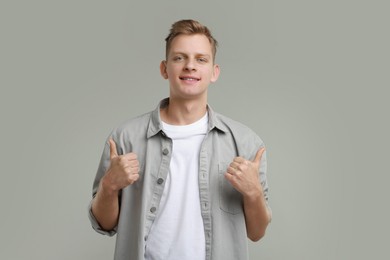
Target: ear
x=163 y=69
x=216 y=72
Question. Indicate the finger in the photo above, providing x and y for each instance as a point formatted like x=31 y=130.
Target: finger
x=233 y=169
x=258 y=155
x=231 y=179
x=238 y=166
x=135 y=177
x=234 y=165
x=130 y=156
x=131 y=168
x=133 y=163
x=130 y=171
x=230 y=170
x=113 y=152
x=239 y=160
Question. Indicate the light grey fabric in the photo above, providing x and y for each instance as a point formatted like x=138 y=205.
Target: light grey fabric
x=221 y=204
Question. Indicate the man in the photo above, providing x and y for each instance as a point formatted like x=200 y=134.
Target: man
x=182 y=182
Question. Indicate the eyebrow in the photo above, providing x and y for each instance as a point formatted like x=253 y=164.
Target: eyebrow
x=196 y=55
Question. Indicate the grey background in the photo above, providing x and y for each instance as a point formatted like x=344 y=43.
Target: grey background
x=310 y=77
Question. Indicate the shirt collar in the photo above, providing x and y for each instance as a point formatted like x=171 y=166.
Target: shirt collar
x=155 y=125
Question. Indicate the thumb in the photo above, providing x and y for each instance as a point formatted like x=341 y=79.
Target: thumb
x=258 y=155
x=113 y=152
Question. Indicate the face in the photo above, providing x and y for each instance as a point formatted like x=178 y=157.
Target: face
x=189 y=67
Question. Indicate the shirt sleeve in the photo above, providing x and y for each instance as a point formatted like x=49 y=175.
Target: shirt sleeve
x=255 y=145
x=103 y=166
x=95 y=224
x=263 y=179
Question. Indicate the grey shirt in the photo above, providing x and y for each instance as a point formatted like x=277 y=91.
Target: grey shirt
x=221 y=205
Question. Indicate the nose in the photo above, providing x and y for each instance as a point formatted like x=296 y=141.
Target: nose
x=190 y=65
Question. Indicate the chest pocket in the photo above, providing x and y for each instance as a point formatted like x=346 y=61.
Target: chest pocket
x=230 y=200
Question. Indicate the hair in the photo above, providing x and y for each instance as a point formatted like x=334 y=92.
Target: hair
x=190 y=27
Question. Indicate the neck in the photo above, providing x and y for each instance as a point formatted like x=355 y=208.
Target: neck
x=183 y=112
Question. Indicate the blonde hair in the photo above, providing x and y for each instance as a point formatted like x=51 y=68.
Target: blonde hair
x=189 y=27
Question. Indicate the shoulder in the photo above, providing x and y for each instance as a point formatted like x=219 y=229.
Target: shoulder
x=235 y=127
x=133 y=127
x=245 y=140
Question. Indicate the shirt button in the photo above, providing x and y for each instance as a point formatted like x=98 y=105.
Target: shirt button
x=153 y=209
x=165 y=151
x=160 y=180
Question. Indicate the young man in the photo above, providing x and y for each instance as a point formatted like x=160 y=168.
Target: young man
x=182 y=182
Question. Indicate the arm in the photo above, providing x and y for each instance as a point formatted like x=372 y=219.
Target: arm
x=105 y=206
x=257 y=215
x=244 y=177
x=123 y=171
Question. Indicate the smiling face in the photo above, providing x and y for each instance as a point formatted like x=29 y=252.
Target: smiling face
x=189 y=67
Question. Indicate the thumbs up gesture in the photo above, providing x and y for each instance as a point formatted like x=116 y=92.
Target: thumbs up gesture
x=244 y=174
x=123 y=170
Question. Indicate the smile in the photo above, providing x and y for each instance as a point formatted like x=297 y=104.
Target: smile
x=189 y=78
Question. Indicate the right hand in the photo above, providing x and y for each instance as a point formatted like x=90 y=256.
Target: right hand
x=123 y=170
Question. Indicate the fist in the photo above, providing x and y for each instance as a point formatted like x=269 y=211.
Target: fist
x=123 y=170
x=244 y=174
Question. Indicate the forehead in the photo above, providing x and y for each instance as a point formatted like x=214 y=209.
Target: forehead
x=191 y=44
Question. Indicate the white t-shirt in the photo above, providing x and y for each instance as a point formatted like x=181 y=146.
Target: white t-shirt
x=178 y=232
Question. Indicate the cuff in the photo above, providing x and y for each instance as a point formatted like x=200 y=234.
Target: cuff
x=96 y=226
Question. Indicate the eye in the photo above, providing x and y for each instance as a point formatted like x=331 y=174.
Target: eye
x=178 y=58
x=202 y=60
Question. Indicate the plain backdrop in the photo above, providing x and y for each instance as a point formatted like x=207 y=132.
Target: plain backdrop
x=310 y=77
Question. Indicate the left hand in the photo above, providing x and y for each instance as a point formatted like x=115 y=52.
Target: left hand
x=244 y=174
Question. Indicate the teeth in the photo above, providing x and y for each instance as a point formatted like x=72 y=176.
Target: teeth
x=189 y=79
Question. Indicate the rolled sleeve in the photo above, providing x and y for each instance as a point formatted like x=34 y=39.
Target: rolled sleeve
x=96 y=226
x=263 y=178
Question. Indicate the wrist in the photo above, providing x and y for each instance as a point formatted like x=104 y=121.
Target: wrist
x=107 y=187
x=254 y=194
